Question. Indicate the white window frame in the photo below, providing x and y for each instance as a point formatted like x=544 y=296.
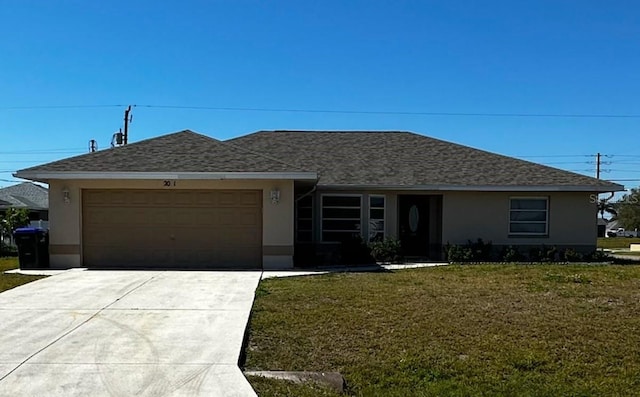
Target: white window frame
x=322 y=218
x=384 y=215
x=529 y=234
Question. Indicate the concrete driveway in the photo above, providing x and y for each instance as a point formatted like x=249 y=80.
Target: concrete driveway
x=126 y=333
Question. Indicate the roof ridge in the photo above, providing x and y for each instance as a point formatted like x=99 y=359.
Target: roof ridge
x=113 y=148
x=338 y=131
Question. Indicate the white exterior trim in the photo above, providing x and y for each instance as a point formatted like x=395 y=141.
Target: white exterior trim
x=546 y=211
x=384 y=215
x=46 y=175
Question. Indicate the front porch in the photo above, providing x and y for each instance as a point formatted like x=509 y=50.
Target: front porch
x=331 y=224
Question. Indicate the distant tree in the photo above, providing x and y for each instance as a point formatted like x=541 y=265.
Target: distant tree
x=628 y=210
x=13 y=219
x=605 y=206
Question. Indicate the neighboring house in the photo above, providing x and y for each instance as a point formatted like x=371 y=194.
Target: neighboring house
x=613 y=225
x=187 y=200
x=27 y=195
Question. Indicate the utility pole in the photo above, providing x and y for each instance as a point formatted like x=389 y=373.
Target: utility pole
x=598 y=166
x=127 y=120
x=93 y=145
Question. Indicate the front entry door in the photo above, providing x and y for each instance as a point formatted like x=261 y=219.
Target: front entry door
x=413 y=220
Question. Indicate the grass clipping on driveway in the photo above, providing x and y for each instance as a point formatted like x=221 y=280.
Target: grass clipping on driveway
x=459 y=330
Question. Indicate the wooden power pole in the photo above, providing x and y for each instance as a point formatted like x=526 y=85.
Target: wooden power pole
x=127 y=120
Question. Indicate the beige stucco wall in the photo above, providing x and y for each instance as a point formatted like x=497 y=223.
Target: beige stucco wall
x=472 y=215
x=65 y=220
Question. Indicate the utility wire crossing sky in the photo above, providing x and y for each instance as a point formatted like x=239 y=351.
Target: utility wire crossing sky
x=551 y=81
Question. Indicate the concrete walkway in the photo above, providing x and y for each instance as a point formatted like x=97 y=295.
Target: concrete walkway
x=126 y=333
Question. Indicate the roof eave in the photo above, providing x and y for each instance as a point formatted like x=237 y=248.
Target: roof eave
x=482 y=188
x=45 y=176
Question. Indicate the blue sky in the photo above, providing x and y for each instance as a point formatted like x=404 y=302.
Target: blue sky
x=59 y=59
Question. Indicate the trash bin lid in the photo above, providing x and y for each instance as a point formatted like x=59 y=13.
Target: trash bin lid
x=28 y=230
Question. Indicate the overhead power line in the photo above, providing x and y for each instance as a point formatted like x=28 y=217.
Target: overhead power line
x=34 y=107
x=43 y=151
x=337 y=111
x=384 y=112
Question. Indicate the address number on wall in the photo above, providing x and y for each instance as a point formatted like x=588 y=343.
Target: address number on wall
x=168 y=183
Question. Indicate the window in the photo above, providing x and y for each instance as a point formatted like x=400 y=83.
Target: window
x=341 y=217
x=529 y=216
x=304 y=219
x=376 y=218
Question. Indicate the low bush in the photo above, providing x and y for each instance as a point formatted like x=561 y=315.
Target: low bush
x=480 y=251
x=7 y=250
x=477 y=251
x=457 y=253
x=598 y=256
x=388 y=250
x=511 y=254
x=571 y=255
x=543 y=254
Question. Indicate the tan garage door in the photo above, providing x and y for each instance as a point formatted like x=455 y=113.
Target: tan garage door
x=189 y=229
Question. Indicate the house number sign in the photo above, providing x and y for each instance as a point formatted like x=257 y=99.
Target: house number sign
x=168 y=183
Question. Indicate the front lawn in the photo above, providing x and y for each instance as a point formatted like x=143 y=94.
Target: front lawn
x=491 y=330
x=8 y=281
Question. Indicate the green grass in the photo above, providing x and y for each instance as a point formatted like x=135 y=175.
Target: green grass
x=617 y=242
x=475 y=330
x=281 y=388
x=8 y=281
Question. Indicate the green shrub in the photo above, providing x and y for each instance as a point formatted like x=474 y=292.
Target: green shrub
x=480 y=251
x=571 y=255
x=543 y=254
x=388 y=250
x=477 y=251
x=7 y=250
x=598 y=256
x=457 y=253
x=511 y=254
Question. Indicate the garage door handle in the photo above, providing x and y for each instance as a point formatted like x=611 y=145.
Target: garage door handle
x=172 y=237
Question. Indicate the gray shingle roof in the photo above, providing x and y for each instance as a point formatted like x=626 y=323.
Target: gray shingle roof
x=24 y=195
x=406 y=159
x=341 y=158
x=183 y=151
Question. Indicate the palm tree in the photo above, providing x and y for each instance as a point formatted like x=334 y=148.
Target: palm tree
x=605 y=206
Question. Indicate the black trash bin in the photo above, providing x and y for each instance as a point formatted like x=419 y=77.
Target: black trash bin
x=33 y=247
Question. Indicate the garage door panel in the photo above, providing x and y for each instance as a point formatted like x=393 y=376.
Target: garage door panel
x=227 y=199
x=158 y=216
x=184 y=229
x=139 y=198
x=248 y=218
x=161 y=199
x=116 y=257
x=184 y=199
x=205 y=199
x=250 y=199
x=206 y=217
x=184 y=216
